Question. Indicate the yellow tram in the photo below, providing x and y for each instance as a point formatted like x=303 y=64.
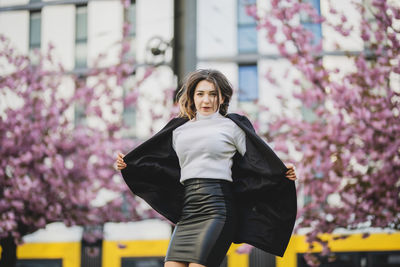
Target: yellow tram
x=380 y=249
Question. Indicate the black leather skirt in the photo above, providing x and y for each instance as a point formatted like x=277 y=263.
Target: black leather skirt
x=206 y=228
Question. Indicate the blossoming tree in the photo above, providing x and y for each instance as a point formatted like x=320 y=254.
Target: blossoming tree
x=54 y=168
x=349 y=167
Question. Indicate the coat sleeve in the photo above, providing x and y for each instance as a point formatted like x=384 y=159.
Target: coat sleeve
x=150 y=142
x=266 y=199
x=153 y=172
x=261 y=155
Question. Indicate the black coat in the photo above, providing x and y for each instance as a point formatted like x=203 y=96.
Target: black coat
x=265 y=199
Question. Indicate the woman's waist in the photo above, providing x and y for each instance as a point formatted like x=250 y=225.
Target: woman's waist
x=205 y=187
x=205 y=181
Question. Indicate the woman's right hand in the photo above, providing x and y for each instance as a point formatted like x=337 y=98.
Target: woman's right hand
x=119 y=163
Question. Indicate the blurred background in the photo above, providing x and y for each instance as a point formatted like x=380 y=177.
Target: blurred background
x=83 y=79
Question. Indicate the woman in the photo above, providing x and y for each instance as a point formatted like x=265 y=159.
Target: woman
x=208 y=172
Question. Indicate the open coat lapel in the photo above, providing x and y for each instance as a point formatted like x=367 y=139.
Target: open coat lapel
x=265 y=198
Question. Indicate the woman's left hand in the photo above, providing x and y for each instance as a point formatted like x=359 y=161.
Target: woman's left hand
x=291 y=174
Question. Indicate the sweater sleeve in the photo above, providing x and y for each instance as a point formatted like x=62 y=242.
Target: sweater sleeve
x=239 y=139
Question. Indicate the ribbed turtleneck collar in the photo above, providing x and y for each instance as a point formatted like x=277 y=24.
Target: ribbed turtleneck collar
x=207 y=117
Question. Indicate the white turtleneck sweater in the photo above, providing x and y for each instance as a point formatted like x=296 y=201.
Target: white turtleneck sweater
x=205 y=146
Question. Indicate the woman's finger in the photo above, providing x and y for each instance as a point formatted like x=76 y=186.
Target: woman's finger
x=120 y=167
x=291 y=176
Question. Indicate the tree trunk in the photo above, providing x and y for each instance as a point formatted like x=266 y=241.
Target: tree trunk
x=8 y=252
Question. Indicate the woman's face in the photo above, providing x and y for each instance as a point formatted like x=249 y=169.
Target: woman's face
x=205 y=98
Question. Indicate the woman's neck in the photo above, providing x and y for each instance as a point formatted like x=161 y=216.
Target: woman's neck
x=200 y=116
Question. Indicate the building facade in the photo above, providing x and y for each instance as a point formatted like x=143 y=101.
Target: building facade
x=211 y=34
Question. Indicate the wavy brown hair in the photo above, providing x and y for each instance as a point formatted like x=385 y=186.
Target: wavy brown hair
x=186 y=92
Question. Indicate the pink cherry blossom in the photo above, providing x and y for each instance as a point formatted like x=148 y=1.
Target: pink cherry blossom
x=350 y=149
x=46 y=169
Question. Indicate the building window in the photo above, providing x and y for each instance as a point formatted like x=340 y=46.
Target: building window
x=129 y=110
x=142 y=261
x=81 y=37
x=79 y=114
x=247 y=32
x=308 y=23
x=39 y=262
x=129 y=117
x=130 y=16
x=248 y=83
x=79 y=108
x=35 y=34
x=369 y=44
